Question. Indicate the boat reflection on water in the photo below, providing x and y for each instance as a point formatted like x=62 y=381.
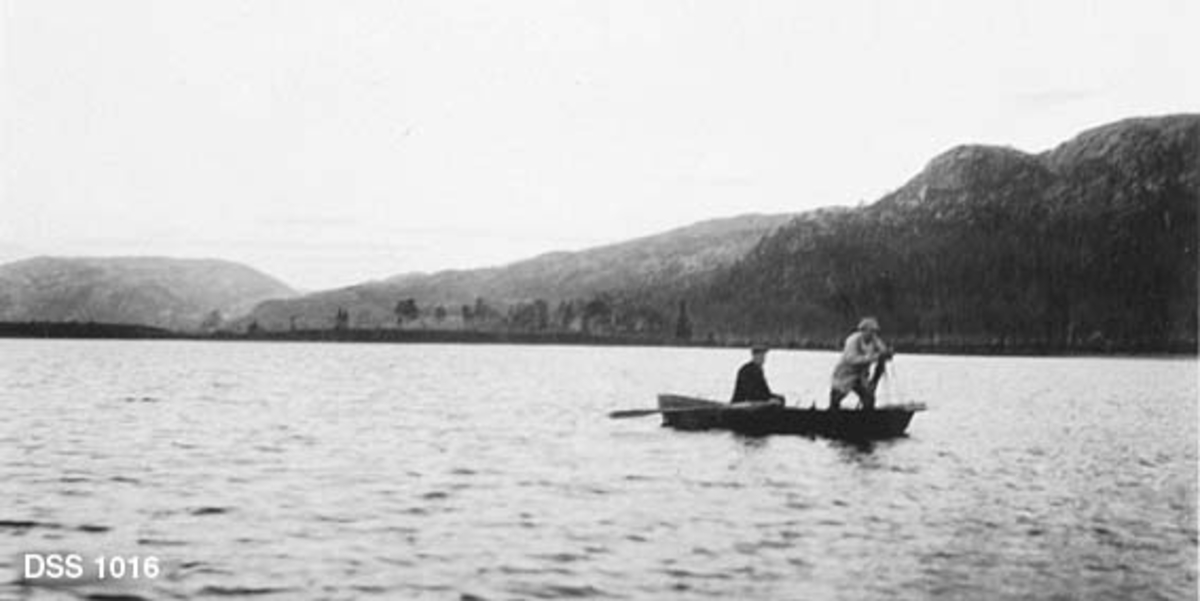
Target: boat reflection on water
x=866 y=453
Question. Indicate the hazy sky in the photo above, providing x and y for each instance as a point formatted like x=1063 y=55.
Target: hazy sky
x=333 y=142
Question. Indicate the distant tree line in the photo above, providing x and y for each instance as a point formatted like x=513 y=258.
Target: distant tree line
x=600 y=315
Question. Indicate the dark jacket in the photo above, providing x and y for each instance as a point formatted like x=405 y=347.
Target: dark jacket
x=751 y=385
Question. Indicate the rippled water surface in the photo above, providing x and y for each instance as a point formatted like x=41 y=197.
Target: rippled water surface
x=342 y=471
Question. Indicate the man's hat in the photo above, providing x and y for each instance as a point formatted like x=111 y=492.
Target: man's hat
x=868 y=323
x=759 y=349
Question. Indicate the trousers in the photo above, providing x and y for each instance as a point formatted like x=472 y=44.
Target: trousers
x=865 y=393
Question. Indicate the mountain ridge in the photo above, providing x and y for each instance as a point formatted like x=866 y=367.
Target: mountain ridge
x=1090 y=244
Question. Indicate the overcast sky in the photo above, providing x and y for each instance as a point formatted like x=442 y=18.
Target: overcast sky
x=329 y=143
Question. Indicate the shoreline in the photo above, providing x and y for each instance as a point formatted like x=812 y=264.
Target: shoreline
x=108 y=331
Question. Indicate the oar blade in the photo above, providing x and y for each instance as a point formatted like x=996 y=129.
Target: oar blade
x=624 y=413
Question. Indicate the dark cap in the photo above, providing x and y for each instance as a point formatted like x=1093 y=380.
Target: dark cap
x=759 y=349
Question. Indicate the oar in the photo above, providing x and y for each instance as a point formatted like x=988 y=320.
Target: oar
x=880 y=369
x=624 y=413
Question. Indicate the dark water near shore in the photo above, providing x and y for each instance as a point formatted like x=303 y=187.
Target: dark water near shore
x=344 y=471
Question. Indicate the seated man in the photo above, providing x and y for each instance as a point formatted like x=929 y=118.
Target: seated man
x=751 y=383
x=853 y=371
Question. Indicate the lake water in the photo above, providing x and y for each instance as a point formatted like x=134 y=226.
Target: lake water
x=347 y=471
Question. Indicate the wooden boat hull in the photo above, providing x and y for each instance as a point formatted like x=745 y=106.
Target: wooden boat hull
x=690 y=413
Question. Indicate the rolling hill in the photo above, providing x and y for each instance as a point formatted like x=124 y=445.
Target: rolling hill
x=178 y=294
x=656 y=266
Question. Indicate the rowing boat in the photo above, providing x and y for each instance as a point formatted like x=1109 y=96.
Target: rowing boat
x=690 y=413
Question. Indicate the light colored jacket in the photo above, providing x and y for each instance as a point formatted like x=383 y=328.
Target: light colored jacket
x=855 y=365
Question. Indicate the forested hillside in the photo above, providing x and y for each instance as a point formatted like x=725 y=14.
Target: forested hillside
x=1089 y=246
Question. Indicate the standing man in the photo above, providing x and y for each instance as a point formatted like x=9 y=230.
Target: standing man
x=751 y=382
x=853 y=371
